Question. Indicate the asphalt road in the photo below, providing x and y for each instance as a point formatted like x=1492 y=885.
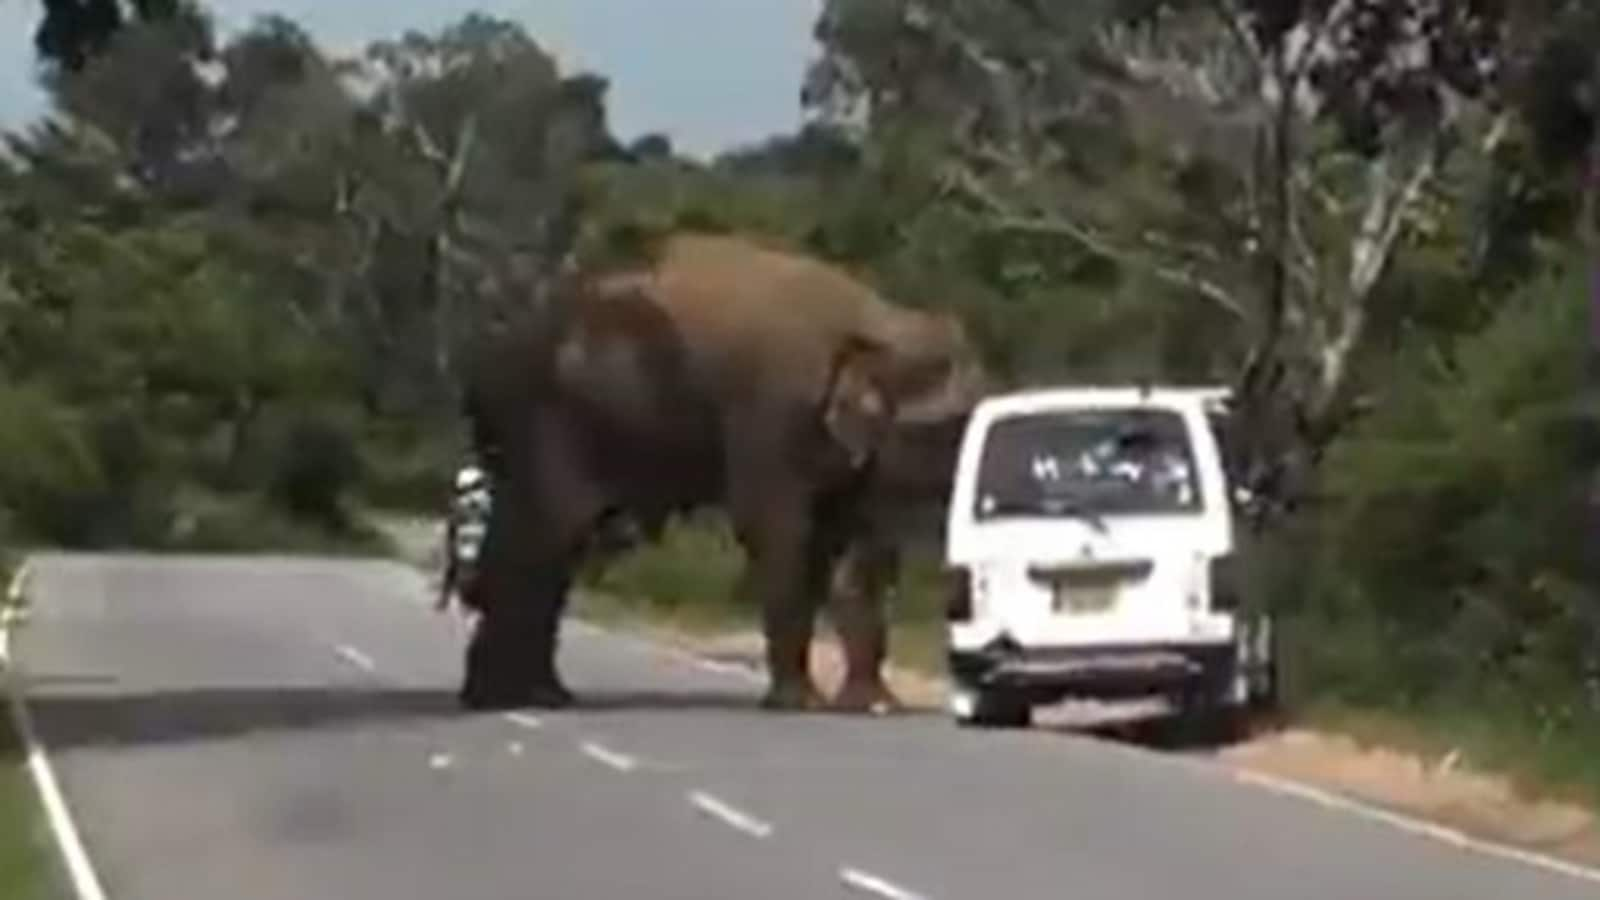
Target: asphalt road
x=276 y=728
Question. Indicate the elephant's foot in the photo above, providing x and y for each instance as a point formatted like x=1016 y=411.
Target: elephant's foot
x=481 y=695
x=866 y=696
x=550 y=695
x=501 y=676
x=792 y=696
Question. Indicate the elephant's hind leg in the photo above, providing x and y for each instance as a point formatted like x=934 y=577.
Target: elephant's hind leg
x=863 y=579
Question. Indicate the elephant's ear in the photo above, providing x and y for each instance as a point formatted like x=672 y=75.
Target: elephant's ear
x=856 y=406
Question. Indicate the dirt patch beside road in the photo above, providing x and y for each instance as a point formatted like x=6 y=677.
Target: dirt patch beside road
x=1442 y=790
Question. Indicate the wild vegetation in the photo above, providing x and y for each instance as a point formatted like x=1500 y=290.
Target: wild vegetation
x=239 y=274
x=25 y=852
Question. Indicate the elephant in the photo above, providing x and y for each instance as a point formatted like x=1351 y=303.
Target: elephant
x=717 y=372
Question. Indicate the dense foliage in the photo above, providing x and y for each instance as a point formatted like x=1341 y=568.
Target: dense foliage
x=237 y=277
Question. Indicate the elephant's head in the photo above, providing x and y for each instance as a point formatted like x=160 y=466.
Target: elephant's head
x=901 y=397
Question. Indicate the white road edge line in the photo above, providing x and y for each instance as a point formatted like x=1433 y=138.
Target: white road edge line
x=872 y=884
x=85 y=883
x=731 y=816
x=355 y=658
x=1416 y=826
x=523 y=720
x=16 y=590
x=609 y=757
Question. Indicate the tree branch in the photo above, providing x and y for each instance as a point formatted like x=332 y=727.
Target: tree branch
x=1233 y=18
x=1380 y=227
x=1301 y=64
x=458 y=165
x=1371 y=251
x=1001 y=80
x=1003 y=218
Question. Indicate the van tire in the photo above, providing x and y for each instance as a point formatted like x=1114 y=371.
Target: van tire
x=1207 y=723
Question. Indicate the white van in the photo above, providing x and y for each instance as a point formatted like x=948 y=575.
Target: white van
x=1089 y=539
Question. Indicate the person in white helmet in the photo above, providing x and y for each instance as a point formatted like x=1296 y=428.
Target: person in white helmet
x=464 y=532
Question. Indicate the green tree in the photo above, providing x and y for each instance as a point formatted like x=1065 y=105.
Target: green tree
x=1268 y=161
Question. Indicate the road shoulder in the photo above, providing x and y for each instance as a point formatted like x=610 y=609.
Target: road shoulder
x=1442 y=792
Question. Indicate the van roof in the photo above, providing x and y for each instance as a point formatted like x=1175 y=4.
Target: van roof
x=1048 y=397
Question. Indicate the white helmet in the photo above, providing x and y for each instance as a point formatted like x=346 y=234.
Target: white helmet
x=469 y=478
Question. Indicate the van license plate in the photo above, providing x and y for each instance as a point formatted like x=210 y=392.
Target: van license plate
x=1083 y=600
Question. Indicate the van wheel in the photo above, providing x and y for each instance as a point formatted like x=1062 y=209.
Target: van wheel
x=1208 y=717
x=998 y=709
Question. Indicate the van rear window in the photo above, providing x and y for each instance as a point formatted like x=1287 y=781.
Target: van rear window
x=1087 y=463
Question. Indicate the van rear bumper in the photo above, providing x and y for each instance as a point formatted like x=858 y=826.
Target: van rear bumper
x=1123 y=670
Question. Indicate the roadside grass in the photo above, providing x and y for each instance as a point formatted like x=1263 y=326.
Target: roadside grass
x=219 y=523
x=689 y=579
x=1539 y=762
x=26 y=871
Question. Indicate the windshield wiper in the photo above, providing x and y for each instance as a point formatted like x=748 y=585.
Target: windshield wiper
x=1076 y=508
x=1073 y=507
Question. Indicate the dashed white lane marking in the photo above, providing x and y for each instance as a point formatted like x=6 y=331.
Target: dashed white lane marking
x=85 y=883
x=872 y=884
x=356 y=658
x=1410 y=825
x=721 y=668
x=735 y=818
x=523 y=720
x=606 y=756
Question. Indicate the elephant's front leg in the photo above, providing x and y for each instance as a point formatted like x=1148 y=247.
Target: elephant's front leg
x=859 y=593
x=510 y=660
x=529 y=555
x=521 y=592
x=788 y=593
x=781 y=576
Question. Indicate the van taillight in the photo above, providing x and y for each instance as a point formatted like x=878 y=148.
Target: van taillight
x=1223 y=573
x=958 y=594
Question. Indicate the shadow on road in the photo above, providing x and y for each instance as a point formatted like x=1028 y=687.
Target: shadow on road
x=197 y=714
x=743 y=701
x=1170 y=734
x=216 y=713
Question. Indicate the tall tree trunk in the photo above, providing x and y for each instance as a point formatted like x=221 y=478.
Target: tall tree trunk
x=1590 y=231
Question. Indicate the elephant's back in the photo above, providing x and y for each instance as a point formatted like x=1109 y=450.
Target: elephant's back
x=749 y=308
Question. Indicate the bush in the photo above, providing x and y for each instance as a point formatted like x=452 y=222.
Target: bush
x=79 y=479
x=217 y=523
x=407 y=470
x=1445 y=574
x=315 y=463
x=693 y=571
